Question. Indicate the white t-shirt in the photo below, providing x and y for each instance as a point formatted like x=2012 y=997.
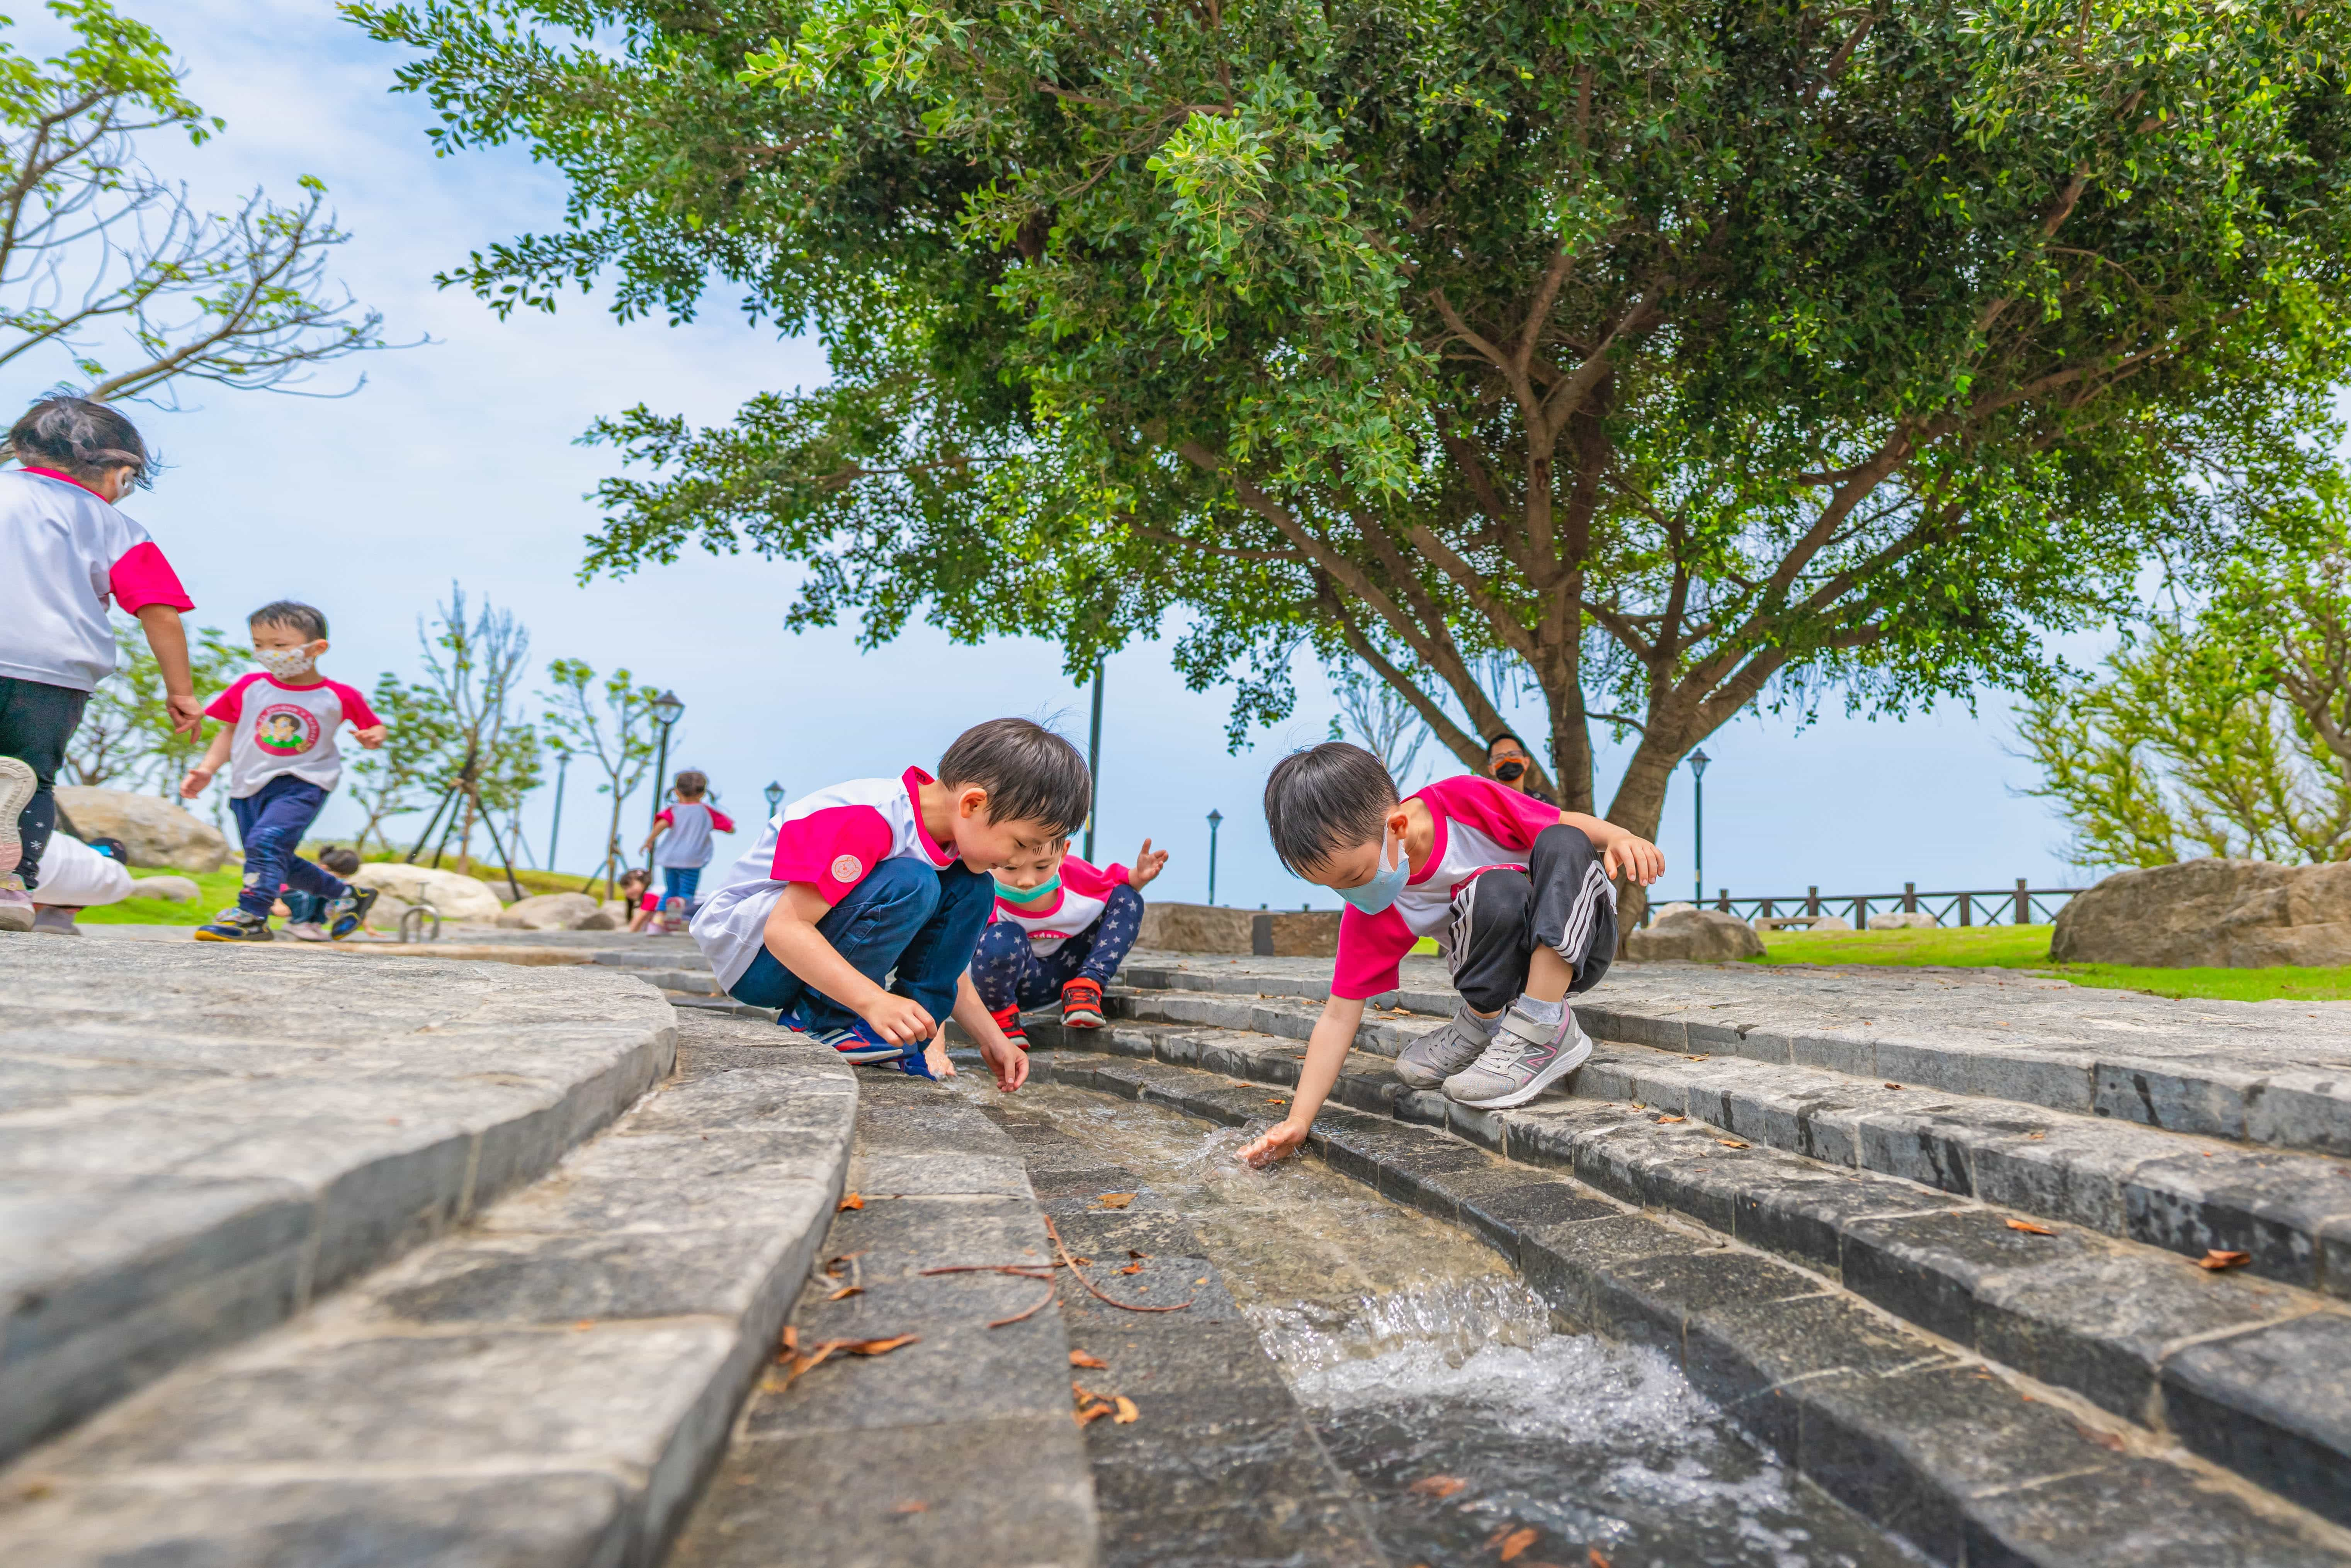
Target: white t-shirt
x=64 y=553
x=688 y=843
x=834 y=838
x=277 y=728
x=1073 y=908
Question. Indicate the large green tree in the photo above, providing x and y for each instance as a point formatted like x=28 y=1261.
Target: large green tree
x=1689 y=355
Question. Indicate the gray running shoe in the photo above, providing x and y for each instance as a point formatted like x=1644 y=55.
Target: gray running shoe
x=1526 y=1057
x=1446 y=1050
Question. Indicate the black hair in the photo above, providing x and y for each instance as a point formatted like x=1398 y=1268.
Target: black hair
x=340 y=860
x=1030 y=774
x=1325 y=799
x=1501 y=736
x=79 y=436
x=292 y=615
x=691 y=782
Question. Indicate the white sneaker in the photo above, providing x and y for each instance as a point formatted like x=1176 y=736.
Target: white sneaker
x=1446 y=1050
x=17 y=782
x=1526 y=1057
x=307 y=931
x=15 y=903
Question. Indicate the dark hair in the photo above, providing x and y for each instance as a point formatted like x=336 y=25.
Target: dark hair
x=1501 y=736
x=293 y=616
x=78 y=436
x=1326 y=798
x=691 y=781
x=338 y=859
x=634 y=874
x=1030 y=774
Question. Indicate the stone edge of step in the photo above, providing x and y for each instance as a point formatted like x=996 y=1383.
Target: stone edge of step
x=1960 y=1457
x=664 y=1385
x=279 y=1245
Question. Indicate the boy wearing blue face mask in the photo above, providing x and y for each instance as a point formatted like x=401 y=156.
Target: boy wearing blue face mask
x=1519 y=894
x=1061 y=928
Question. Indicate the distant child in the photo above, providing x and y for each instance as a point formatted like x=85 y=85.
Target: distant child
x=66 y=553
x=305 y=912
x=683 y=832
x=889 y=879
x=1519 y=896
x=1062 y=929
x=278 y=738
x=635 y=891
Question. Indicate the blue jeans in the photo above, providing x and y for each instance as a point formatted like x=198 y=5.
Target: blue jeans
x=903 y=918
x=679 y=881
x=1007 y=969
x=271 y=821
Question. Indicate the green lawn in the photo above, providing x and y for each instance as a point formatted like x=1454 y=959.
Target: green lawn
x=220 y=889
x=2027 y=947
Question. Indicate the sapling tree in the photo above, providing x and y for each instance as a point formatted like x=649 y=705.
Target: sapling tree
x=125 y=740
x=474 y=663
x=612 y=723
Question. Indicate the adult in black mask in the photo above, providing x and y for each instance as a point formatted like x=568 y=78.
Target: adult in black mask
x=1510 y=764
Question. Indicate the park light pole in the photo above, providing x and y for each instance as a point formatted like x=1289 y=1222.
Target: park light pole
x=1215 y=817
x=1698 y=761
x=1093 y=767
x=667 y=710
x=775 y=794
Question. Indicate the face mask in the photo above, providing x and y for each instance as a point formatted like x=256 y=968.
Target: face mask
x=1387 y=882
x=1507 y=771
x=1031 y=894
x=285 y=663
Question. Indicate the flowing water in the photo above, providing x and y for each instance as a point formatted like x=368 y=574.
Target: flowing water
x=1434 y=1377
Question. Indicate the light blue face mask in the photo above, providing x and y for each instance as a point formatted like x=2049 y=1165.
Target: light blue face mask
x=1031 y=894
x=1375 y=895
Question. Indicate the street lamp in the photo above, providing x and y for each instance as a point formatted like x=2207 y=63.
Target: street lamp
x=1093 y=766
x=775 y=794
x=1215 y=817
x=667 y=710
x=1698 y=761
x=555 y=828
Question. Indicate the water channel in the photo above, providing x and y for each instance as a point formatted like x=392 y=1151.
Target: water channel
x=1424 y=1363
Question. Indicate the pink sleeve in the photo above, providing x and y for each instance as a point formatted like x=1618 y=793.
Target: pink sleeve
x=1503 y=814
x=721 y=821
x=664 y=815
x=227 y=706
x=355 y=706
x=833 y=848
x=143 y=577
x=1370 y=949
x=1087 y=881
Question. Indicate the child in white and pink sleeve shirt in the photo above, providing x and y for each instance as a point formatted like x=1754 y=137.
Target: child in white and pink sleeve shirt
x=1060 y=929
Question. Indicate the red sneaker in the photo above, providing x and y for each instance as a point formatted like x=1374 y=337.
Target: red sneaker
x=1008 y=1021
x=1082 y=1005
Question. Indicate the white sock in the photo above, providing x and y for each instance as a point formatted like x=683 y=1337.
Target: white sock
x=1551 y=1013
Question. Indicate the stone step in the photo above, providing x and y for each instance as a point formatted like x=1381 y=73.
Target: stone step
x=198 y=1140
x=958 y=1446
x=2271 y=1074
x=545 y=1388
x=2139 y=1331
x=1970 y=1460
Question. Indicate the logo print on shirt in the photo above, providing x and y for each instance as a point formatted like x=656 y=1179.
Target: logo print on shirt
x=848 y=868
x=282 y=729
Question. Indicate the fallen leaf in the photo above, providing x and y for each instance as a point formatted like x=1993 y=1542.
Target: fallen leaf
x=1116 y=1199
x=791 y=1342
x=1080 y=1358
x=2217 y=1260
x=1092 y=1414
x=846 y=1291
x=1275 y=1100
x=911 y=1506
x=1514 y=1546
x=1592 y=1555
x=2103 y=1439
x=1500 y=1531
x=2034 y=1137
x=1701 y=1056
x=848 y=1200
x=1663 y=1120
x=583 y=1326
x=1730 y=1143
x=2030 y=1229
x=1894 y=1086
x=1136 y=1253
x=1127 y=1414
x=1439 y=1487
x=1132 y=1269
x=878 y=1346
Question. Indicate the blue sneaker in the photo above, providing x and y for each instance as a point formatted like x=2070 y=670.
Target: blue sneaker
x=858 y=1043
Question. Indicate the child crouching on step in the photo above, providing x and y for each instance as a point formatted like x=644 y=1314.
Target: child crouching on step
x=888 y=880
x=1519 y=896
x=1062 y=929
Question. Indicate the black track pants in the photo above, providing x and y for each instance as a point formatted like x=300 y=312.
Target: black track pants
x=36 y=723
x=1563 y=901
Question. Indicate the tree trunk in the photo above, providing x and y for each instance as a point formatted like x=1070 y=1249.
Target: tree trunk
x=465 y=838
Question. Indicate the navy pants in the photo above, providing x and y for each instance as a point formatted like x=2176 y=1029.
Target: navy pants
x=680 y=881
x=905 y=926
x=271 y=821
x=35 y=722
x=1007 y=969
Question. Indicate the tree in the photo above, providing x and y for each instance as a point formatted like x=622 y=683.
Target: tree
x=1379 y=719
x=414 y=763
x=125 y=740
x=474 y=665
x=612 y=724
x=94 y=244
x=1695 y=356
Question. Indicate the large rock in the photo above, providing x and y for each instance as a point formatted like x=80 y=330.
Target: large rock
x=1902 y=920
x=2222 y=913
x=452 y=894
x=154 y=831
x=177 y=889
x=553 y=912
x=1697 y=937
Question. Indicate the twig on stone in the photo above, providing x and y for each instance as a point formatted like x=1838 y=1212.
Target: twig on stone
x=1026 y=1271
x=1098 y=1292
x=1051 y=1291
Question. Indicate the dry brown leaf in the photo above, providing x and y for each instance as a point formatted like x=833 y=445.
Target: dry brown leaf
x=1894 y=1086
x=2034 y=1137
x=2217 y=1260
x=1663 y=1120
x=1515 y=1544
x=1731 y=1143
x=791 y=1343
x=1592 y=1555
x=1116 y=1199
x=912 y=1506
x=1275 y=1100
x=1701 y=1056
x=583 y=1326
x=846 y=1291
x=1080 y=1358
x=848 y=1200
x=1500 y=1531
x=1132 y=1269
x=877 y=1346
x=2030 y=1229
x=2103 y=1439
x=1438 y=1487
x=1127 y=1414
x=1092 y=1414
x=1136 y=1253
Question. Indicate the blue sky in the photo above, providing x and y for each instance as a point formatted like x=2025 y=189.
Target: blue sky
x=456 y=460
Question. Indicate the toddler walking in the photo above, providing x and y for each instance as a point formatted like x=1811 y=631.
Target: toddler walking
x=682 y=833
x=1061 y=928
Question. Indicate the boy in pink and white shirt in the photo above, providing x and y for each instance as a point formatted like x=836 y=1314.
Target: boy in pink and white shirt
x=1061 y=928
x=1521 y=898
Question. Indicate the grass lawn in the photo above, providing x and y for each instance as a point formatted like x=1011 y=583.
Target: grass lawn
x=2027 y=947
x=220 y=890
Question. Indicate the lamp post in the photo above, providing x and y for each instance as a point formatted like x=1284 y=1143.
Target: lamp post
x=775 y=794
x=667 y=710
x=1215 y=817
x=1698 y=761
x=555 y=828
x=1093 y=766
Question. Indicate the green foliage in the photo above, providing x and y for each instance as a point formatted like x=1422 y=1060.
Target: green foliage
x=2027 y=947
x=1690 y=356
x=125 y=740
x=612 y=723
x=408 y=772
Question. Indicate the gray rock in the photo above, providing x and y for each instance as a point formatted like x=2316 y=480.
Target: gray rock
x=2233 y=914
x=154 y=832
x=1902 y=920
x=552 y=912
x=452 y=894
x=1695 y=935
x=177 y=889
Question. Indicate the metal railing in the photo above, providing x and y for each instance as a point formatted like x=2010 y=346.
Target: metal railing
x=2019 y=905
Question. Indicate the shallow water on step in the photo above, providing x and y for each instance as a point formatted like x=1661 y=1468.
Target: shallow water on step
x=1423 y=1364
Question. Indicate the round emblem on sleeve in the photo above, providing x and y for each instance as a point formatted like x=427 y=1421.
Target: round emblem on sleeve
x=847 y=868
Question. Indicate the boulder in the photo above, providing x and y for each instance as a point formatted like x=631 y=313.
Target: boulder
x=1903 y=920
x=2221 y=914
x=154 y=832
x=177 y=889
x=1661 y=911
x=1832 y=923
x=452 y=894
x=1696 y=936
x=553 y=912
x=603 y=920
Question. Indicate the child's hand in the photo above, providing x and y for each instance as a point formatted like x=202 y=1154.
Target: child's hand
x=1006 y=1060
x=901 y=1020
x=194 y=784
x=1635 y=857
x=371 y=737
x=1281 y=1138
x=1148 y=863
x=187 y=714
